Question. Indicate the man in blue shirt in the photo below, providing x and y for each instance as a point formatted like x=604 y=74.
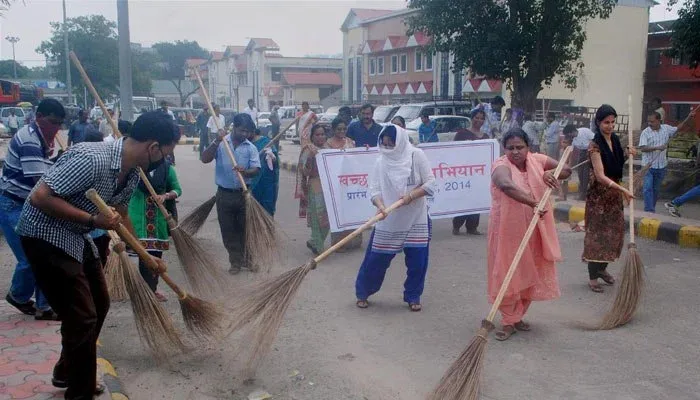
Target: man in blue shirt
x=76 y=133
x=365 y=132
x=230 y=199
x=27 y=161
x=426 y=131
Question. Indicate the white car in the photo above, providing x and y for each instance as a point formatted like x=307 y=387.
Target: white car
x=446 y=126
x=292 y=135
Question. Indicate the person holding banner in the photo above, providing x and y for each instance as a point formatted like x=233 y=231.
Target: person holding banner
x=312 y=205
x=474 y=132
x=518 y=182
x=402 y=171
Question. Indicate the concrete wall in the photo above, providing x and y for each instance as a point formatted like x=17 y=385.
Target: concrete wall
x=352 y=40
x=306 y=94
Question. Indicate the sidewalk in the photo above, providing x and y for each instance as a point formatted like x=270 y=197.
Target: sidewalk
x=28 y=351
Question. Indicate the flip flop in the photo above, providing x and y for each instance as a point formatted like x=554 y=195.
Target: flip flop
x=522 y=326
x=505 y=333
x=415 y=307
x=596 y=288
x=362 y=303
x=607 y=278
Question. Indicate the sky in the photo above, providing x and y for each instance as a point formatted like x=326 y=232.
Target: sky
x=300 y=27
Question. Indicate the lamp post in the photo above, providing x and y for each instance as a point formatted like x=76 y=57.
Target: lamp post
x=13 y=40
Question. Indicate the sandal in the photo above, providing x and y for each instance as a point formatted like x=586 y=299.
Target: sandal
x=606 y=277
x=522 y=326
x=505 y=333
x=362 y=303
x=596 y=287
x=415 y=307
x=312 y=248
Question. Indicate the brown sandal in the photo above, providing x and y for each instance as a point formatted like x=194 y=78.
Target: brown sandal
x=505 y=333
x=415 y=307
x=522 y=326
x=596 y=288
x=362 y=303
x=606 y=277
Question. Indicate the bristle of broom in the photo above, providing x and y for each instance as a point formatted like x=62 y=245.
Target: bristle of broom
x=638 y=179
x=462 y=379
x=263 y=309
x=202 y=318
x=629 y=292
x=203 y=275
x=115 y=277
x=153 y=323
x=196 y=219
x=261 y=241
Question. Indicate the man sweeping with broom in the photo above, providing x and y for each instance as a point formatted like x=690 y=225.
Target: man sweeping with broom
x=230 y=199
x=54 y=228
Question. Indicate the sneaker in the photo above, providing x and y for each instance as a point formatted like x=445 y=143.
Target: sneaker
x=47 y=315
x=25 y=308
x=672 y=209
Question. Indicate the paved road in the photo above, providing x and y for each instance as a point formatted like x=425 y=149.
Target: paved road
x=387 y=352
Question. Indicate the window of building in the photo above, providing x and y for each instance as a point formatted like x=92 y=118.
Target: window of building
x=419 y=61
x=654 y=58
x=394 y=64
x=372 y=66
x=380 y=65
x=243 y=79
x=276 y=74
x=404 y=63
x=428 y=62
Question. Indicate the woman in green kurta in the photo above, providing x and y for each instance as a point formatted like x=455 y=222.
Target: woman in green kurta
x=149 y=223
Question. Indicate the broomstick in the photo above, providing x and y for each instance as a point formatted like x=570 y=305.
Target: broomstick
x=260 y=231
x=462 y=379
x=153 y=323
x=265 y=305
x=201 y=272
x=201 y=317
x=114 y=275
x=632 y=284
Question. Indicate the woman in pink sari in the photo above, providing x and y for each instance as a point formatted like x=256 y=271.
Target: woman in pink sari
x=305 y=120
x=518 y=182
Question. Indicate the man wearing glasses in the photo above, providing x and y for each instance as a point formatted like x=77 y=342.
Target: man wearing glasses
x=230 y=199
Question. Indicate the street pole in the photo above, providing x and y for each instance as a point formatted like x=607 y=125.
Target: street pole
x=126 y=94
x=13 y=40
x=69 y=83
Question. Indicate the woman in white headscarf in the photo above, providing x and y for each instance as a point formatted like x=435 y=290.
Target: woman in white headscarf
x=402 y=171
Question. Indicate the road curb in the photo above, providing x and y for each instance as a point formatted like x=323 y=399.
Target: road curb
x=649 y=228
x=111 y=380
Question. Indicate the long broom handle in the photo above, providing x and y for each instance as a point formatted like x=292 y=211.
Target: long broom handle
x=630 y=143
x=169 y=218
x=277 y=137
x=530 y=229
x=61 y=143
x=134 y=243
x=216 y=122
x=358 y=231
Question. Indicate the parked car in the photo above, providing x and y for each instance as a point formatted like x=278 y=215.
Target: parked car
x=446 y=126
x=264 y=123
x=19 y=112
x=411 y=111
x=385 y=113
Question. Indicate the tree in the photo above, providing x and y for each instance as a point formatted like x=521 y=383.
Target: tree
x=38 y=73
x=7 y=70
x=173 y=56
x=685 y=38
x=527 y=43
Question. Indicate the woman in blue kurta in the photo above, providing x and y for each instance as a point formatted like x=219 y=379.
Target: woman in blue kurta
x=266 y=184
x=401 y=172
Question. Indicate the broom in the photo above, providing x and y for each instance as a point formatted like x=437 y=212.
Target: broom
x=201 y=317
x=264 y=307
x=260 y=231
x=196 y=219
x=114 y=275
x=153 y=323
x=462 y=379
x=630 y=291
x=200 y=270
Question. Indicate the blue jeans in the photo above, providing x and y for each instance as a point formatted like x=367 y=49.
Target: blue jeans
x=23 y=282
x=652 y=187
x=680 y=200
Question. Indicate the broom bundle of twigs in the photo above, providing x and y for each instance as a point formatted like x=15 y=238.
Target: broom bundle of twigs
x=116 y=285
x=202 y=318
x=263 y=306
x=632 y=284
x=462 y=379
x=261 y=241
x=153 y=323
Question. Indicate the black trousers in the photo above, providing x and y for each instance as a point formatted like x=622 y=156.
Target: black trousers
x=230 y=207
x=595 y=269
x=148 y=275
x=470 y=221
x=77 y=292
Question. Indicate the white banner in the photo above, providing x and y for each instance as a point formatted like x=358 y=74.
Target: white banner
x=462 y=171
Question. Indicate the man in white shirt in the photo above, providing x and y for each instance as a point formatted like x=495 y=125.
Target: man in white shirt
x=653 y=143
x=13 y=122
x=164 y=108
x=252 y=111
x=212 y=126
x=105 y=128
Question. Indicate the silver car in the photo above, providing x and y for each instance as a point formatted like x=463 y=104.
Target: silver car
x=446 y=126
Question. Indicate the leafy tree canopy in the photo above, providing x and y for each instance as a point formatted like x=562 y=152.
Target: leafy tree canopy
x=527 y=43
x=685 y=39
x=172 y=57
x=6 y=70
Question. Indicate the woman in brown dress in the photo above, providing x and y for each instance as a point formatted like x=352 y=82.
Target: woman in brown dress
x=605 y=218
x=472 y=133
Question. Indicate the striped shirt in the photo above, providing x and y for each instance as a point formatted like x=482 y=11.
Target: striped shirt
x=84 y=166
x=26 y=161
x=650 y=138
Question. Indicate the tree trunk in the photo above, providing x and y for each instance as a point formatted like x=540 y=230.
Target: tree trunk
x=525 y=95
